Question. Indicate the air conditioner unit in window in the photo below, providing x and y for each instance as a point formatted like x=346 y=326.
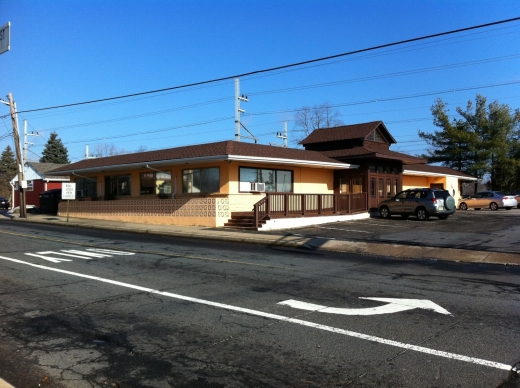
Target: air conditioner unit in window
x=79 y=193
x=258 y=187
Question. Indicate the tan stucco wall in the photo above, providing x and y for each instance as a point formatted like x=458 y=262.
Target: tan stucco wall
x=313 y=181
x=450 y=183
x=137 y=207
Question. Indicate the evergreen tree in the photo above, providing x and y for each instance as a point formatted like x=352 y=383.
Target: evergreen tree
x=55 y=151
x=455 y=145
x=484 y=141
x=7 y=171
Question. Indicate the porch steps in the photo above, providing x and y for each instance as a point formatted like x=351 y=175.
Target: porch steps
x=243 y=221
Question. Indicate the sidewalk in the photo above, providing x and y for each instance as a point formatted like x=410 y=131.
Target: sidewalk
x=283 y=238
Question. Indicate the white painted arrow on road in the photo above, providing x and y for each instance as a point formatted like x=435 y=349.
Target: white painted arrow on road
x=393 y=305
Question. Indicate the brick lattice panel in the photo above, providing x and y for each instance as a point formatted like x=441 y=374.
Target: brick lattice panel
x=186 y=207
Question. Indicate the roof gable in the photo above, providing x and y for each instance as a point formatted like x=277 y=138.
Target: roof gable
x=348 y=132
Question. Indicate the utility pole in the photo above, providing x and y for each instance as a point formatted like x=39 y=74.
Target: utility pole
x=283 y=135
x=238 y=111
x=19 y=160
x=238 y=98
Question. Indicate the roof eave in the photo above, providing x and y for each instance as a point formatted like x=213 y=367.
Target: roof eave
x=205 y=159
x=423 y=173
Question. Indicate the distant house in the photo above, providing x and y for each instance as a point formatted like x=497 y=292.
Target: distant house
x=342 y=171
x=38 y=180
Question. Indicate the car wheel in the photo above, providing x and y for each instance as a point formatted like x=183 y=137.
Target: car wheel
x=443 y=217
x=493 y=206
x=422 y=214
x=384 y=212
x=463 y=206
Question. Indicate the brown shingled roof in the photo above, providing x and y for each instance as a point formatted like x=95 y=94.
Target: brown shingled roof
x=224 y=149
x=368 y=152
x=345 y=132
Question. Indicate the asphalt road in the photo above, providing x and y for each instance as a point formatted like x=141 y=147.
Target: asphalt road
x=88 y=308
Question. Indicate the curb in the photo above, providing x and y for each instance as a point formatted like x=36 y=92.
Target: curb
x=398 y=251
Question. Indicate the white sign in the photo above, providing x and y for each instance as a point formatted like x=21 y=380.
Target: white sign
x=5 y=38
x=68 y=190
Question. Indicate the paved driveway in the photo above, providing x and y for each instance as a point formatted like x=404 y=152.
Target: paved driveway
x=483 y=230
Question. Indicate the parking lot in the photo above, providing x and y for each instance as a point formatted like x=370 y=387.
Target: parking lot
x=483 y=230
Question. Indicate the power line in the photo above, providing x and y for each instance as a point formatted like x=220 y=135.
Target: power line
x=376 y=100
x=139 y=115
x=388 y=75
x=397 y=97
x=281 y=67
x=425 y=46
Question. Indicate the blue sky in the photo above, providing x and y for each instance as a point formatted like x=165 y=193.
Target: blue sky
x=65 y=52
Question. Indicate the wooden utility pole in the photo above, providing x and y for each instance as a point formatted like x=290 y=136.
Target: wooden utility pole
x=19 y=161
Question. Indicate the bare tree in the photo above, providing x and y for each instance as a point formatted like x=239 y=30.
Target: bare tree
x=106 y=149
x=307 y=119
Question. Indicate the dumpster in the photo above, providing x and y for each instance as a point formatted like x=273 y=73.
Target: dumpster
x=49 y=201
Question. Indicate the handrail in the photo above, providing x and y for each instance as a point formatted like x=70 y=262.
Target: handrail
x=304 y=205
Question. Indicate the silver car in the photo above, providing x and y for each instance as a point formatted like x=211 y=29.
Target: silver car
x=422 y=203
x=493 y=200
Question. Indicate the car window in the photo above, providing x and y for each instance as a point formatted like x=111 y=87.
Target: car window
x=488 y=195
x=441 y=194
x=411 y=194
x=478 y=195
x=499 y=193
x=423 y=194
x=402 y=195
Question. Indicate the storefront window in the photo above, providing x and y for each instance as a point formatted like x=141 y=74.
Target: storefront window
x=201 y=180
x=280 y=181
x=357 y=185
x=117 y=185
x=86 y=187
x=156 y=183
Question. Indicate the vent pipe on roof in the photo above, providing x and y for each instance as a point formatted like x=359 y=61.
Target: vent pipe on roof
x=87 y=155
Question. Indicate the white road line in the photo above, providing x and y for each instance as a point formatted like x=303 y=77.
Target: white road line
x=282 y=318
x=344 y=230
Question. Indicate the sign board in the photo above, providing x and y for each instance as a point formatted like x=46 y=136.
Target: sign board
x=68 y=190
x=23 y=184
x=5 y=38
